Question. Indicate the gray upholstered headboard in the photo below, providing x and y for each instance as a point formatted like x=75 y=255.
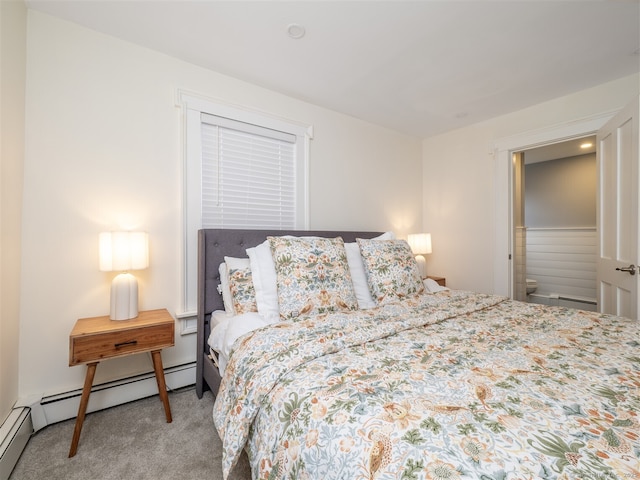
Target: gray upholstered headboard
x=213 y=246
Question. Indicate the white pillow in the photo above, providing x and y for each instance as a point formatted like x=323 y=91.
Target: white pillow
x=265 y=281
x=432 y=286
x=358 y=274
x=234 y=263
x=218 y=317
x=224 y=289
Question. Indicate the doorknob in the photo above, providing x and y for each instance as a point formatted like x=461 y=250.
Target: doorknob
x=631 y=269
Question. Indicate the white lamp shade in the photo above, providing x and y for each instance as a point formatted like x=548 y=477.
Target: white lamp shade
x=123 y=251
x=420 y=243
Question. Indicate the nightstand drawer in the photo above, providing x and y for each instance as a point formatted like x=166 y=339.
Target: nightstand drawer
x=98 y=346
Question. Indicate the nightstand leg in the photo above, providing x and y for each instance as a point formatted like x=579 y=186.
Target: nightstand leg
x=162 y=386
x=84 y=401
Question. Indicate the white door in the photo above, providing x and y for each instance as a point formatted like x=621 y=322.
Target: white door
x=617 y=214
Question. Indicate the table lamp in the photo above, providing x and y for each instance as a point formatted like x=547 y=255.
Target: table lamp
x=121 y=252
x=420 y=244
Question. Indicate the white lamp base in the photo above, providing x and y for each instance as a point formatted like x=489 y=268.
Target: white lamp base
x=422 y=265
x=124 y=297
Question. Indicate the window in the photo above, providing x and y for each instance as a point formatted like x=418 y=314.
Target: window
x=248 y=175
x=242 y=169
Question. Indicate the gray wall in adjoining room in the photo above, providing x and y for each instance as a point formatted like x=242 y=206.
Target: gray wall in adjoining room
x=561 y=193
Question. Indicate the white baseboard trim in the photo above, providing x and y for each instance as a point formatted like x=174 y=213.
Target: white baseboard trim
x=14 y=435
x=56 y=408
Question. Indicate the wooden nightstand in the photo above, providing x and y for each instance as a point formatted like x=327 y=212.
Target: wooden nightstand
x=99 y=338
x=442 y=281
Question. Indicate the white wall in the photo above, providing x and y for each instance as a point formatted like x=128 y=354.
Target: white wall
x=563 y=261
x=459 y=171
x=13 y=31
x=104 y=151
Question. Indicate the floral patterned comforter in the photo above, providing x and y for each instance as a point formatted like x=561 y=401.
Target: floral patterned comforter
x=439 y=386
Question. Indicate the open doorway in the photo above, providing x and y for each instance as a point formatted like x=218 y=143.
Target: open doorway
x=555 y=224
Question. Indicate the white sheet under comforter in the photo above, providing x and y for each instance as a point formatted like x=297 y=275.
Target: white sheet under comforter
x=228 y=329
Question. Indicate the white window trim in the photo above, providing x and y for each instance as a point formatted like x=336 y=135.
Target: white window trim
x=192 y=105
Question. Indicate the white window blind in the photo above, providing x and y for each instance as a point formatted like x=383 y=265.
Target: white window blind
x=248 y=175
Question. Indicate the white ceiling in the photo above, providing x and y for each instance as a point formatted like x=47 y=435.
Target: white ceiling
x=420 y=67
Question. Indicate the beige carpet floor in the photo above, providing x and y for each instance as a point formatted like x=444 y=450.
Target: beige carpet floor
x=133 y=442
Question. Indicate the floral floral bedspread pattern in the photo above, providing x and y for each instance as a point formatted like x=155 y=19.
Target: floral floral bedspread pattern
x=438 y=386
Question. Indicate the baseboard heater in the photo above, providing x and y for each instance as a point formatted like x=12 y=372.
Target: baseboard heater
x=14 y=435
x=27 y=419
x=63 y=406
x=562 y=300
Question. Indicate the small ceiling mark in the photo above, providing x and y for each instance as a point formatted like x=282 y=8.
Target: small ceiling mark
x=295 y=31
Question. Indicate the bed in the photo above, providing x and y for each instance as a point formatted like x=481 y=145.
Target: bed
x=424 y=384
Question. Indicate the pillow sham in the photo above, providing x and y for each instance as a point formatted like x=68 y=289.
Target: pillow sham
x=243 y=294
x=392 y=270
x=358 y=274
x=265 y=281
x=312 y=276
x=224 y=289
